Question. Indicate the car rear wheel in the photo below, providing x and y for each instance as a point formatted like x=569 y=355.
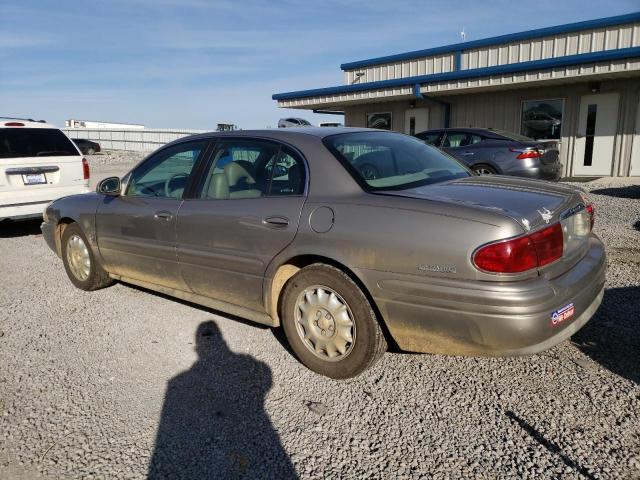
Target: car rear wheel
x=329 y=322
x=90 y=151
x=79 y=261
x=484 y=169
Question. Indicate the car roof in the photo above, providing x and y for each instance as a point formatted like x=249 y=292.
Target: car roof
x=26 y=123
x=283 y=133
x=484 y=131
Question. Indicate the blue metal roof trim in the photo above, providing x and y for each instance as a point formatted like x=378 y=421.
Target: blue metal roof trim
x=569 y=60
x=510 y=37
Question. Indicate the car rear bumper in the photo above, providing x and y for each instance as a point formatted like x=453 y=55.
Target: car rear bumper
x=551 y=172
x=455 y=317
x=25 y=205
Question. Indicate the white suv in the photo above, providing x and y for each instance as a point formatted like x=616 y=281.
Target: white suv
x=38 y=163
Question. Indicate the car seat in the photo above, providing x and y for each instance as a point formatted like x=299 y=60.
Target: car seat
x=241 y=182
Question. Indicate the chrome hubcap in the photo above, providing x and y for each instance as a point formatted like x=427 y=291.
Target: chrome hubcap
x=483 y=171
x=325 y=323
x=78 y=257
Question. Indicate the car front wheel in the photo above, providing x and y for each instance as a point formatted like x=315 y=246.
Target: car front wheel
x=79 y=261
x=329 y=322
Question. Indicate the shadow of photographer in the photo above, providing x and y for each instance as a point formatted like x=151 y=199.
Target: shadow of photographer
x=213 y=422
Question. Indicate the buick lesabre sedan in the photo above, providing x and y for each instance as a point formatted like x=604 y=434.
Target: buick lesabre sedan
x=280 y=227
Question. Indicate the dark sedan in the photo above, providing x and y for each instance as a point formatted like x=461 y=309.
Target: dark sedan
x=490 y=152
x=87 y=147
x=282 y=227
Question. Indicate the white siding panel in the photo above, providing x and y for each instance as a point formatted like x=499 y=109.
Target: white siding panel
x=623 y=36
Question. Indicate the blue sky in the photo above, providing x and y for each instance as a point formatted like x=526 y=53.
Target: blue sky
x=194 y=63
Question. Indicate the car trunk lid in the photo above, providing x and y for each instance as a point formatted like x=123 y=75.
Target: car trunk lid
x=546 y=149
x=533 y=204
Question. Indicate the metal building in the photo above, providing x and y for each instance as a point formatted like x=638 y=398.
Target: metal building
x=578 y=83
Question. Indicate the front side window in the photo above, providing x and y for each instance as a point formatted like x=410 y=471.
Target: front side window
x=390 y=161
x=166 y=173
x=542 y=119
x=252 y=169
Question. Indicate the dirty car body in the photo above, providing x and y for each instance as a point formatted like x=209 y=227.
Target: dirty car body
x=449 y=262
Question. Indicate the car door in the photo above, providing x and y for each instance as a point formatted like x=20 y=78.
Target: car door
x=461 y=145
x=245 y=210
x=135 y=231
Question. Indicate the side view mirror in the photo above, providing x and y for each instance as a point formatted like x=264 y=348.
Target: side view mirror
x=109 y=186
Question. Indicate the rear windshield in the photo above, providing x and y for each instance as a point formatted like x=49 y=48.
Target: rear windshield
x=391 y=161
x=34 y=142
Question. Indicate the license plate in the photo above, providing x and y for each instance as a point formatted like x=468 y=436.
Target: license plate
x=34 y=178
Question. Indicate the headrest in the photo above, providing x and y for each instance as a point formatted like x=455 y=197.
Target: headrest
x=218 y=187
x=236 y=172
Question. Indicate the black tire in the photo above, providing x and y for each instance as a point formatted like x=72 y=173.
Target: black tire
x=368 y=344
x=97 y=276
x=484 y=169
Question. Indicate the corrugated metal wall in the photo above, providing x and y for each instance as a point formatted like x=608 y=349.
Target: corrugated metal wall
x=408 y=68
x=132 y=140
x=620 y=36
x=587 y=41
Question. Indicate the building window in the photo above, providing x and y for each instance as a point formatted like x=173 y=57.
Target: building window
x=379 y=120
x=542 y=119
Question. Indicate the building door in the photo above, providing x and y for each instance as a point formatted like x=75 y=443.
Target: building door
x=597 y=128
x=416 y=120
x=635 y=146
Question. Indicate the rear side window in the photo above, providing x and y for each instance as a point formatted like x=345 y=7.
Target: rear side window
x=34 y=142
x=247 y=168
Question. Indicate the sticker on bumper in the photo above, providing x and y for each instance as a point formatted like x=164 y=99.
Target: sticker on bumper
x=562 y=314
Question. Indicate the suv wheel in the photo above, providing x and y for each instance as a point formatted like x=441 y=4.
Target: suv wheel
x=329 y=322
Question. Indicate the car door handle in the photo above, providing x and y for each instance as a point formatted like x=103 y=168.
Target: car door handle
x=466 y=153
x=163 y=215
x=276 y=222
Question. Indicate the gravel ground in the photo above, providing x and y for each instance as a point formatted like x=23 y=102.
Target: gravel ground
x=105 y=384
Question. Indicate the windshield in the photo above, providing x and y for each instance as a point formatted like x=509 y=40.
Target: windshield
x=34 y=142
x=391 y=161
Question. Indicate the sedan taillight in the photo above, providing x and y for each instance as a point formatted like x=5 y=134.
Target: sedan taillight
x=520 y=254
x=591 y=210
x=526 y=153
x=85 y=169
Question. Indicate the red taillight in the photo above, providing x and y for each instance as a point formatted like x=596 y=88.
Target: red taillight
x=85 y=169
x=522 y=253
x=528 y=153
x=509 y=256
x=549 y=243
x=592 y=214
x=14 y=124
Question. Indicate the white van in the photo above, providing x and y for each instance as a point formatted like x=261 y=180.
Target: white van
x=38 y=163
